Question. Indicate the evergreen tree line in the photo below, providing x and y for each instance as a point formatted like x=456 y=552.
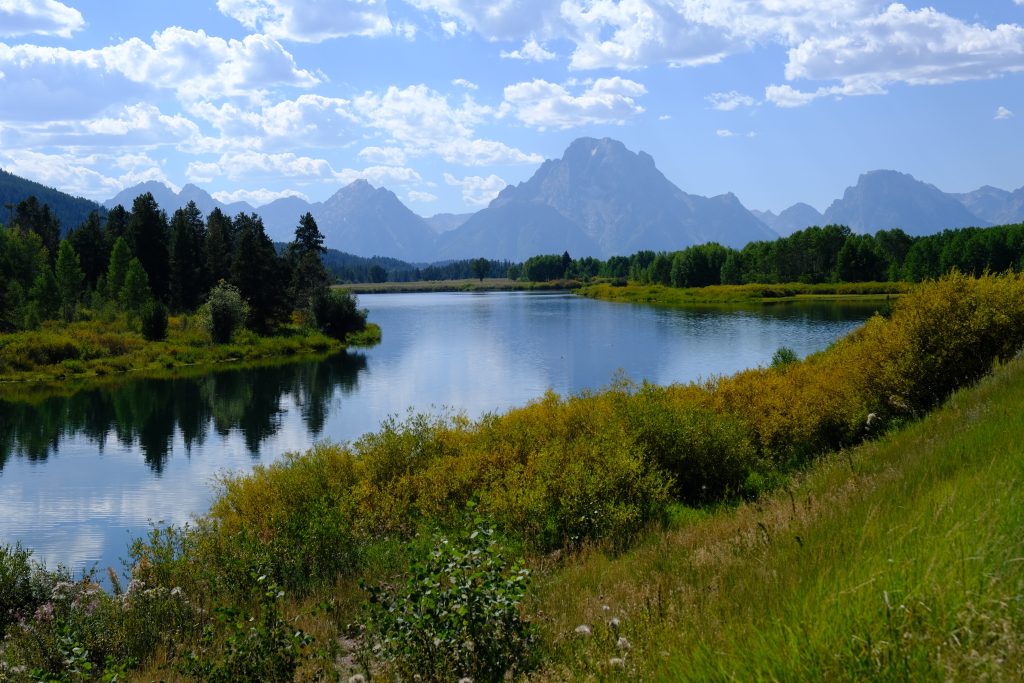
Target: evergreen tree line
x=139 y=258
x=350 y=268
x=833 y=253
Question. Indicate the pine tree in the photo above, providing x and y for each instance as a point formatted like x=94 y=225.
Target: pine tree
x=258 y=273
x=135 y=291
x=308 y=275
x=147 y=226
x=120 y=258
x=69 y=278
x=44 y=295
x=93 y=252
x=188 y=233
x=219 y=247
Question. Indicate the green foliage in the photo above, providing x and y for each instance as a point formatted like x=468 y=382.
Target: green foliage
x=457 y=615
x=783 y=356
x=135 y=291
x=187 y=257
x=45 y=295
x=256 y=645
x=336 y=313
x=70 y=278
x=149 y=238
x=259 y=274
x=120 y=259
x=481 y=267
x=24 y=585
x=226 y=312
x=154 y=321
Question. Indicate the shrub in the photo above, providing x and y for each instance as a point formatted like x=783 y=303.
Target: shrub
x=261 y=645
x=225 y=311
x=154 y=321
x=457 y=614
x=24 y=585
x=783 y=356
x=336 y=313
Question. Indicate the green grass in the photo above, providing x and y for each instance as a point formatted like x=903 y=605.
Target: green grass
x=902 y=559
x=661 y=295
x=59 y=356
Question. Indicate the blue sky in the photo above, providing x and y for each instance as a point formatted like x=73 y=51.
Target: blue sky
x=446 y=101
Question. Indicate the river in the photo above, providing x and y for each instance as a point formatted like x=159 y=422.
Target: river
x=81 y=476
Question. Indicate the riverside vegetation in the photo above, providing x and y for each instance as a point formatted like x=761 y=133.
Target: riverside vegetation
x=671 y=485
x=142 y=292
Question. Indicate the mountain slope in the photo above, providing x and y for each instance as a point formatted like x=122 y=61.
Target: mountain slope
x=796 y=217
x=994 y=205
x=624 y=203
x=516 y=231
x=887 y=199
x=170 y=201
x=369 y=221
x=70 y=211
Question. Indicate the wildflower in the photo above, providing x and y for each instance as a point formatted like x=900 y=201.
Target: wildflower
x=357 y=678
x=583 y=630
x=622 y=643
x=617 y=662
x=614 y=622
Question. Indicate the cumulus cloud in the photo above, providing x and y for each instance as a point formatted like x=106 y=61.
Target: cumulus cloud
x=249 y=165
x=77 y=174
x=311 y=22
x=531 y=51
x=192 y=63
x=493 y=20
x=422 y=121
x=543 y=105
x=728 y=101
x=417 y=196
x=380 y=175
x=786 y=96
x=390 y=156
x=724 y=133
x=136 y=125
x=1002 y=113
x=40 y=17
x=257 y=197
x=477 y=190
x=463 y=83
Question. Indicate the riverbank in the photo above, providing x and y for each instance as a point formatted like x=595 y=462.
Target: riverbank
x=566 y=482
x=660 y=295
x=58 y=355
x=470 y=285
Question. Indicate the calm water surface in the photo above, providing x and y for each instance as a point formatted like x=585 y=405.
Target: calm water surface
x=81 y=476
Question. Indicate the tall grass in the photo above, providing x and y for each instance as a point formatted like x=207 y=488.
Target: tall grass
x=898 y=560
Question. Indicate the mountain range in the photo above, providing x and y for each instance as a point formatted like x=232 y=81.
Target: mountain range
x=599 y=199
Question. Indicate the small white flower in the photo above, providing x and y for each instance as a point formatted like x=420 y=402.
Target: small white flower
x=583 y=630
x=617 y=662
x=614 y=622
x=622 y=643
x=357 y=678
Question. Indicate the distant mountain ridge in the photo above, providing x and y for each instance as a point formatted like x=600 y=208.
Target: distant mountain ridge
x=888 y=199
x=71 y=211
x=598 y=199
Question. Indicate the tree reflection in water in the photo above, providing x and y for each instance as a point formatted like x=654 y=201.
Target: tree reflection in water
x=150 y=410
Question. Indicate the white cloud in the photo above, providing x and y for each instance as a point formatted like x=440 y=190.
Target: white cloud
x=250 y=165
x=503 y=20
x=41 y=17
x=125 y=126
x=422 y=121
x=417 y=196
x=310 y=22
x=1002 y=113
x=543 y=105
x=256 y=197
x=477 y=190
x=899 y=45
x=390 y=156
x=463 y=83
x=77 y=175
x=380 y=175
x=46 y=83
x=786 y=96
x=531 y=51
x=665 y=117
x=724 y=133
x=728 y=101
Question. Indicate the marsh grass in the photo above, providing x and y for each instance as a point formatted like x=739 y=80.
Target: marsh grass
x=662 y=295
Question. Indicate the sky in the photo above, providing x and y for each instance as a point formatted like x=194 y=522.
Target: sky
x=446 y=101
